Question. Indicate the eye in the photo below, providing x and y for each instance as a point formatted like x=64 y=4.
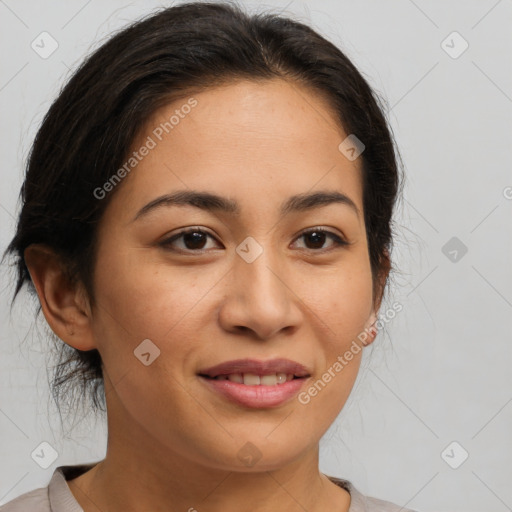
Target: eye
x=193 y=239
x=317 y=236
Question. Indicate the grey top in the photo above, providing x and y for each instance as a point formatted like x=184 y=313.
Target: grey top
x=57 y=497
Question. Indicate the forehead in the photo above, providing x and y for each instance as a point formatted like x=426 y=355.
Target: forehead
x=258 y=140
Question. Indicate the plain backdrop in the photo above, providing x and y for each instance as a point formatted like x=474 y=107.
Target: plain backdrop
x=428 y=423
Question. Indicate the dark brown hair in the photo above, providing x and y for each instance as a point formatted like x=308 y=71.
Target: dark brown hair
x=90 y=127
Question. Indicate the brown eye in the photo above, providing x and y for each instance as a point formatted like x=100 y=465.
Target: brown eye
x=193 y=239
x=317 y=237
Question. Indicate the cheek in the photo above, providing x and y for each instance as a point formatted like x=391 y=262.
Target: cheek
x=344 y=316
x=342 y=304
x=144 y=297
x=341 y=301
x=321 y=402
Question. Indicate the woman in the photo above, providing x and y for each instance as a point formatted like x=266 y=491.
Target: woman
x=206 y=221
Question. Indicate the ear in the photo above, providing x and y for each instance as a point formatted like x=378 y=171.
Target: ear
x=64 y=305
x=370 y=328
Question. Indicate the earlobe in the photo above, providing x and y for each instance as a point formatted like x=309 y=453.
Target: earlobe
x=61 y=301
x=370 y=330
x=371 y=327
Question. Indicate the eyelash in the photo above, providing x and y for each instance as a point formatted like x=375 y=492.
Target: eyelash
x=339 y=242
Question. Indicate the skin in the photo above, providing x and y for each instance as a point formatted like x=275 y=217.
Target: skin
x=172 y=440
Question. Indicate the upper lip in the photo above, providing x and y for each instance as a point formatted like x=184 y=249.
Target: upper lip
x=257 y=367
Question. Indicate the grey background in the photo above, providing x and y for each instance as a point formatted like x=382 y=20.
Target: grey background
x=441 y=370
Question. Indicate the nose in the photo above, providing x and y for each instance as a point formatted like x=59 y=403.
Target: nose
x=260 y=298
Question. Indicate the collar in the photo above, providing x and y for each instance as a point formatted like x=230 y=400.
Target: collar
x=62 y=499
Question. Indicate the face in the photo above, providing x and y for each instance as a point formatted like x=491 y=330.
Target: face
x=257 y=283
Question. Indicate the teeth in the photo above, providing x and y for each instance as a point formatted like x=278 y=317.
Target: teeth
x=250 y=379
x=268 y=380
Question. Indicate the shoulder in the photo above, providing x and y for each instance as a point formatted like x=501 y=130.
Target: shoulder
x=33 y=501
x=361 y=503
x=55 y=497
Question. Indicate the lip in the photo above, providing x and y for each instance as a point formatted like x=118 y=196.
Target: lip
x=257 y=396
x=257 y=367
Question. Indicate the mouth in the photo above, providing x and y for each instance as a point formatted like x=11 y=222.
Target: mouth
x=256 y=384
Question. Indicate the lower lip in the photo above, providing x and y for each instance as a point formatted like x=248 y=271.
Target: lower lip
x=258 y=396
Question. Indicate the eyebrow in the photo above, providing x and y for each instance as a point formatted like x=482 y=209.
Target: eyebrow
x=212 y=202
